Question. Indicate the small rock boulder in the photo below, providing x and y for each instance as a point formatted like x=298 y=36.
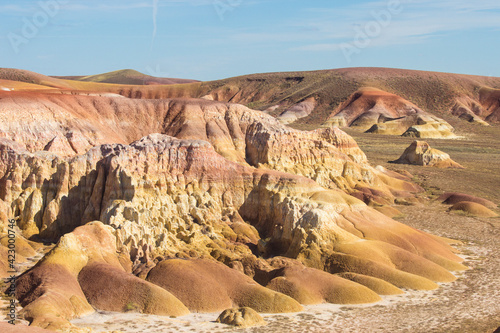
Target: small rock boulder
x=421 y=153
x=241 y=317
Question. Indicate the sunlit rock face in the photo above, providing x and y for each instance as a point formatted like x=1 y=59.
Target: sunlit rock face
x=421 y=153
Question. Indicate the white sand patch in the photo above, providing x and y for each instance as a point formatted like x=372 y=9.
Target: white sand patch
x=316 y=317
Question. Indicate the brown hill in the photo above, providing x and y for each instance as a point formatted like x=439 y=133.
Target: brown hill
x=209 y=286
x=25 y=76
x=126 y=76
x=433 y=92
x=452 y=198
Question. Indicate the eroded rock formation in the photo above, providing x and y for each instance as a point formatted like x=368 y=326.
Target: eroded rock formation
x=375 y=111
x=298 y=111
x=421 y=153
x=221 y=183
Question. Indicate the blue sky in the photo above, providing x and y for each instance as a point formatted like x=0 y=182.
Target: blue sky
x=214 y=39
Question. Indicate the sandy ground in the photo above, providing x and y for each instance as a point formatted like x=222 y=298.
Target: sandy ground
x=470 y=304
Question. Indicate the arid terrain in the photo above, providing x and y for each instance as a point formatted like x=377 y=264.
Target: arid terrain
x=346 y=200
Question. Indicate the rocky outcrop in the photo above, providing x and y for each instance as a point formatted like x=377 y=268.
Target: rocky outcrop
x=178 y=196
x=241 y=318
x=375 y=111
x=429 y=127
x=70 y=125
x=468 y=109
x=298 y=111
x=52 y=195
x=421 y=153
x=419 y=126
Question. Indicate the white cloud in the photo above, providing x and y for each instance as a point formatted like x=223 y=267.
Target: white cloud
x=13 y=8
x=418 y=21
x=98 y=5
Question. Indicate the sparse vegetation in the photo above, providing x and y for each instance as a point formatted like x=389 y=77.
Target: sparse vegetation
x=131 y=306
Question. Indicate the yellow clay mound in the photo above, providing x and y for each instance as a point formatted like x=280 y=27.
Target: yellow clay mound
x=312 y=286
x=448 y=264
x=452 y=198
x=433 y=128
x=376 y=226
x=50 y=296
x=49 y=292
x=341 y=263
x=379 y=286
x=23 y=247
x=208 y=286
x=388 y=211
x=111 y=289
x=474 y=209
x=398 y=258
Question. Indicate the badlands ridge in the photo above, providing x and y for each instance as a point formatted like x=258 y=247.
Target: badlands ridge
x=196 y=204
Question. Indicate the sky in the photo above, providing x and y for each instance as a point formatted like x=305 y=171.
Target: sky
x=216 y=39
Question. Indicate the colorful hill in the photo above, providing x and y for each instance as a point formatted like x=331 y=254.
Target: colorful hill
x=126 y=76
x=472 y=98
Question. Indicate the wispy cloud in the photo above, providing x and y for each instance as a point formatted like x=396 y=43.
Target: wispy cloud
x=13 y=8
x=80 y=5
x=418 y=21
x=24 y=6
x=155 y=16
